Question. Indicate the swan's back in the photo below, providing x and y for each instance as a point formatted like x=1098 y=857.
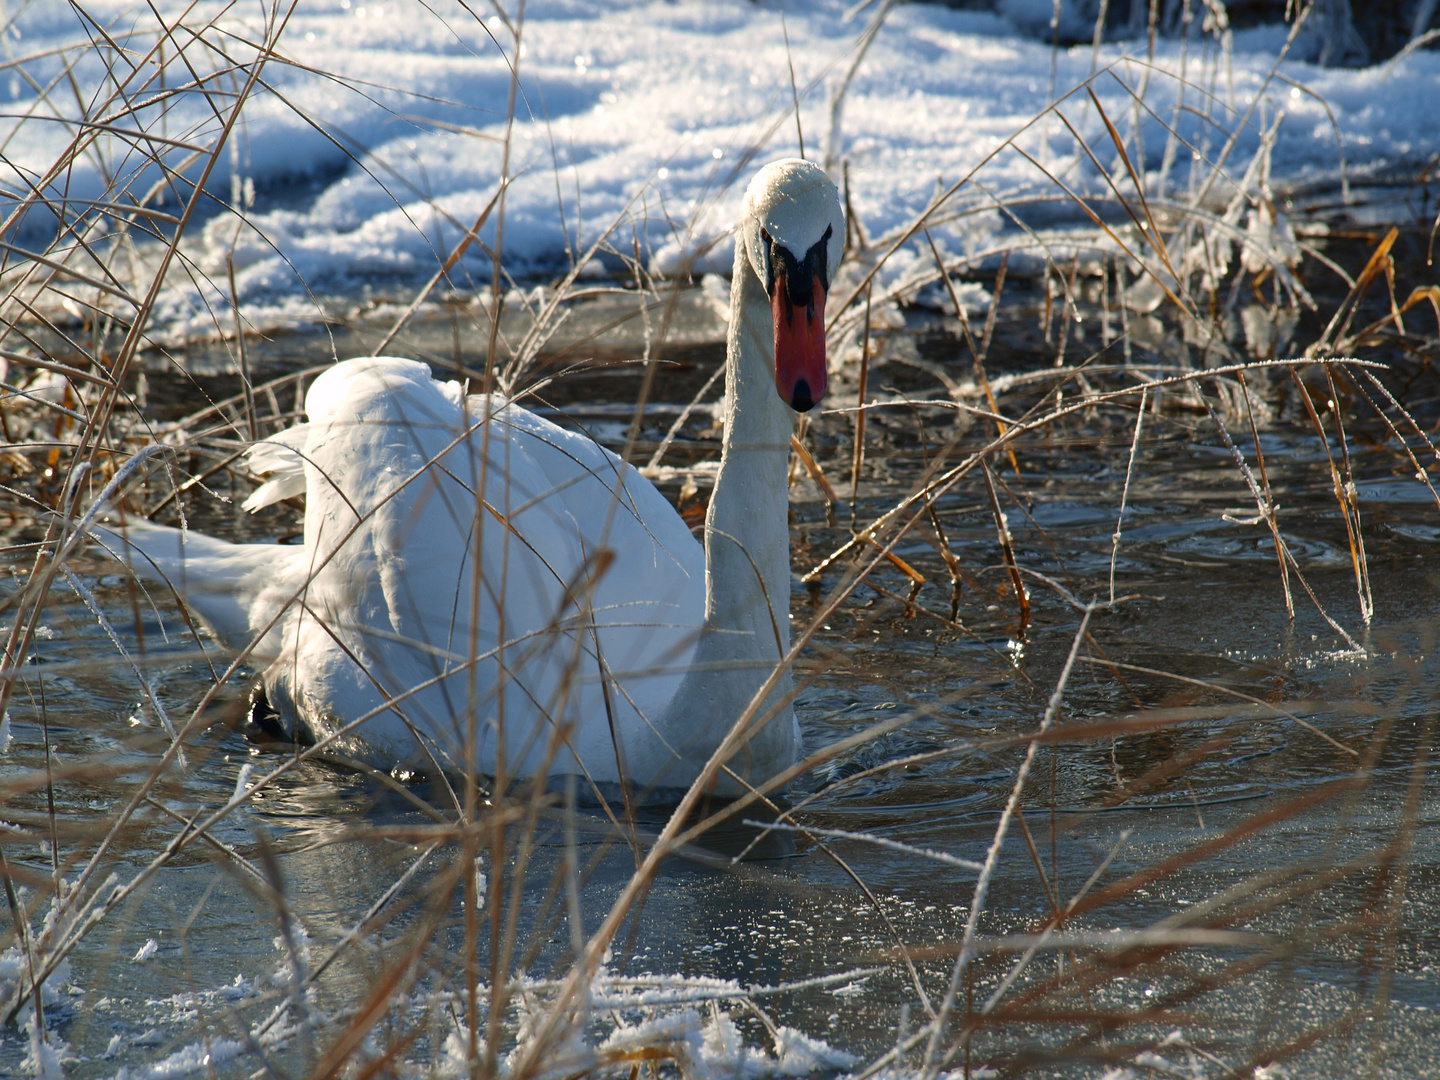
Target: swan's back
x=582 y=620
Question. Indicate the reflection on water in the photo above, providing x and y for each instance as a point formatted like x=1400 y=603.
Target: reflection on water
x=1202 y=774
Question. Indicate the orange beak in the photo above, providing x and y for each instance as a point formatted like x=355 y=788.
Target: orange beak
x=800 y=373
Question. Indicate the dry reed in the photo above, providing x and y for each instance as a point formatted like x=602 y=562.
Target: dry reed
x=501 y=925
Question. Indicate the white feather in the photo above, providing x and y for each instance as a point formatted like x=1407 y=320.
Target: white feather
x=595 y=637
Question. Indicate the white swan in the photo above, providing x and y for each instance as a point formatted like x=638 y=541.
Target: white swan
x=598 y=637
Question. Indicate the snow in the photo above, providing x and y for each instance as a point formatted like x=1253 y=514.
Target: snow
x=378 y=136
x=45 y=1059
x=198 y=1057
x=715 y=1049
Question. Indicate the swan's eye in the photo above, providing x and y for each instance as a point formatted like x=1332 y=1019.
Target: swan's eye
x=766 y=243
x=817 y=259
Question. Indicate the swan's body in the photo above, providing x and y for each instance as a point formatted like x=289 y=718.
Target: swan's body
x=605 y=640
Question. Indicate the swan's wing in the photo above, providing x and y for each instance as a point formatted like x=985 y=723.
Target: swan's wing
x=611 y=503
x=347 y=387
x=409 y=487
x=280 y=461
x=648 y=604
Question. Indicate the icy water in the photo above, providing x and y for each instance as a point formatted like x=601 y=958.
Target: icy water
x=1218 y=768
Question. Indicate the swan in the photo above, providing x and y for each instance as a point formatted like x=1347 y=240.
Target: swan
x=597 y=638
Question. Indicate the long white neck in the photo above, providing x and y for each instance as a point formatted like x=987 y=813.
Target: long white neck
x=747 y=529
x=747 y=553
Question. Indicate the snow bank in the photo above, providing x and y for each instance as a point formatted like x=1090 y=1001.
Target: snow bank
x=378 y=134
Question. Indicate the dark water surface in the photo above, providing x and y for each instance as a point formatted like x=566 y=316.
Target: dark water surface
x=1312 y=836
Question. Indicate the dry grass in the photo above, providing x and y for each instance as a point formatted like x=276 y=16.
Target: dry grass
x=482 y=929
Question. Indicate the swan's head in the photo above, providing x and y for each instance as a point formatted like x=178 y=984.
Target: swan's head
x=793 y=231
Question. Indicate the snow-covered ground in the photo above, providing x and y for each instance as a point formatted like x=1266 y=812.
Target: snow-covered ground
x=378 y=132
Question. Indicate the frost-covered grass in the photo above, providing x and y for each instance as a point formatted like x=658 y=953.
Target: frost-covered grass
x=185 y=179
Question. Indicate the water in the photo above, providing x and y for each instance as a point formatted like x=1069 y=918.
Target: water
x=1176 y=780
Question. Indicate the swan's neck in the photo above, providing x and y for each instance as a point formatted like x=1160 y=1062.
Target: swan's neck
x=747 y=555
x=747 y=529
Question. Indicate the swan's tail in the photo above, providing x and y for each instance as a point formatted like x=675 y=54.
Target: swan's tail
x=222 y=583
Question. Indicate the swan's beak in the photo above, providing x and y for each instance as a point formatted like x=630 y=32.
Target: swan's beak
x=800 y=374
